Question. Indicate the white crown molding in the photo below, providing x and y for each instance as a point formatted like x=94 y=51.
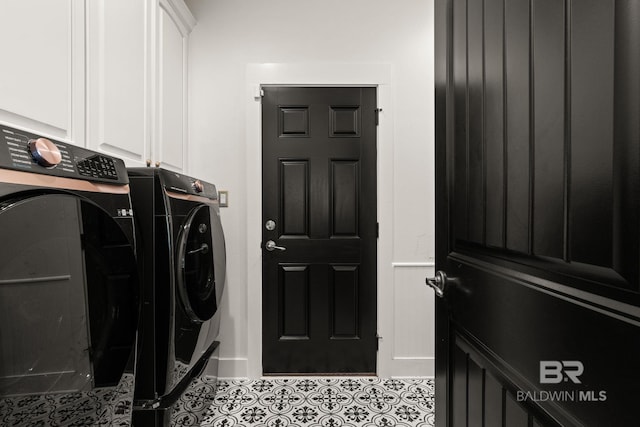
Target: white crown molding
x=180 y=13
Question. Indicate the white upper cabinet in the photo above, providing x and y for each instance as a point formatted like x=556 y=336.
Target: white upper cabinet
x=175 y=24
x=42 y=72
x=118 y=79
x=136 y=80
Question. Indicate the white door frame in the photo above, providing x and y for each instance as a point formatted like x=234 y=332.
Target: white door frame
x=323 y=74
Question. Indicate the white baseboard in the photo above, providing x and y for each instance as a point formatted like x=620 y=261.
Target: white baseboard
x=401 y=367
x=233 y=368
x=413 y=367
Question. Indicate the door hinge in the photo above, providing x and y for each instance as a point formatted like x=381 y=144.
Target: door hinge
x=258 y=93
x=378 y=338
x=377 y=110
x=377 y=230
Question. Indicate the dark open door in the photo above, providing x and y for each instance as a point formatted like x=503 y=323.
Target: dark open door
x=319 y=230
x=538 y=191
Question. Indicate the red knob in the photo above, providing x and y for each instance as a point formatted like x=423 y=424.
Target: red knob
x=44 y=152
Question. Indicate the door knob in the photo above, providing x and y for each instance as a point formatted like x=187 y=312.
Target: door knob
x=439 y=283
x=271 y=246
x=204 y=248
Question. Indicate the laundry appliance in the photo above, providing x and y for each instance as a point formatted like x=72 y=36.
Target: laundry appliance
x=68 y=284
x=182 y=265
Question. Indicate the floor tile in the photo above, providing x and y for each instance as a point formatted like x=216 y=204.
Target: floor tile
x=285 y=402
x=327 y=402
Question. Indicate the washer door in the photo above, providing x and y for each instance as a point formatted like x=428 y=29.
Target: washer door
x=68 y=296
x=197 y=275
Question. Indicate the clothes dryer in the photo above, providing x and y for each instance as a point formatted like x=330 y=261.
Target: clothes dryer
x=182 y=264
x=68 y=284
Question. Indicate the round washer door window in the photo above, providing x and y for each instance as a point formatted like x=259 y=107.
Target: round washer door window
x=196 y=278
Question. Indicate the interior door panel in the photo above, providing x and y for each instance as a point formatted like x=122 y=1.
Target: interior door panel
x=319 y=257
x=537 y=107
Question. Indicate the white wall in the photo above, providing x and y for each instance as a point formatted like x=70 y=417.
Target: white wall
x=231 y=37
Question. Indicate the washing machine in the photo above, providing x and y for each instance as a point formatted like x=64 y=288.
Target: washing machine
x=69 y=299
x=182 y=265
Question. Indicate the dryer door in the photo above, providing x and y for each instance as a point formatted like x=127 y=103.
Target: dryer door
x=197 y=278
x=68 y=300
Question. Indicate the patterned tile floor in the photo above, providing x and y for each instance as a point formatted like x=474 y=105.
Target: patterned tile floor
x=107 y=407
x=327 y=402
x=290 y=402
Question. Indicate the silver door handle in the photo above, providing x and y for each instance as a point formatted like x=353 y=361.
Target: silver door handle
x=204 y=248
x=438 y=283
x=271 y=246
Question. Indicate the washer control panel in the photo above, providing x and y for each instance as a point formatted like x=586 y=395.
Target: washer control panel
x=28 y=152
x=98 y=166
x=184 y=184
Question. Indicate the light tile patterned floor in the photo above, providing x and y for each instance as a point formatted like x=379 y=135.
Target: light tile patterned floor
x=107 y=407
x=328 y=402
x=297 y=402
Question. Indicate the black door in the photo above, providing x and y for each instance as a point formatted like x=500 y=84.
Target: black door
x=319 y=230
x=538 y=191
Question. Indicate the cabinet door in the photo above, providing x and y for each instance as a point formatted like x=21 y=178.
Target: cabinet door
x=119 y=57
x=40 y=79
x=171 y=144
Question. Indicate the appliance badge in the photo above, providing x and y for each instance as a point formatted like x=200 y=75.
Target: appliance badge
x=125 y=212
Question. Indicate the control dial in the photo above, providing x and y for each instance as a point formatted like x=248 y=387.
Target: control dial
x=197 y=186
x=44 y=152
